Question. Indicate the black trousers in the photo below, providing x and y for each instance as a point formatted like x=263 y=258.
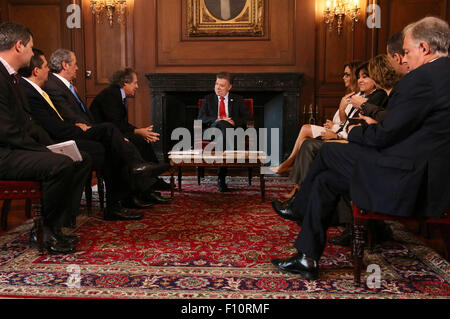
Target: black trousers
x=118 y=185
x=119 y=155
x=226 y=144
x=113 y=141
x=305 y=157
x=62 y=181
x=145 y=149
x=327 y=180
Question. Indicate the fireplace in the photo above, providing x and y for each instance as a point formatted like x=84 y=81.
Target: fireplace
x=276 y=96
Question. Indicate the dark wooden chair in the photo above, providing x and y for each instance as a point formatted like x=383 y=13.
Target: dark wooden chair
x=28 y=190
x=201 y=170
x=100 y=187
x=361 y=220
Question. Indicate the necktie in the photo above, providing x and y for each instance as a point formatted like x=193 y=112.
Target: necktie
x=15 y=78
x=72 y=88
x=47 y=98
x=222 y=112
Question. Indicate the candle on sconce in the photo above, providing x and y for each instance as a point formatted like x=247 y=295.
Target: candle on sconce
x=328 y=5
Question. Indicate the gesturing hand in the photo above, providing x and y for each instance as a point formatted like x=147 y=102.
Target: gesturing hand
x=148 y=134
x=357 y=101
x=328 y=124
x=329 y=135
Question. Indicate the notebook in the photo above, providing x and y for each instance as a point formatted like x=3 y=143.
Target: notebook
x=68 y=148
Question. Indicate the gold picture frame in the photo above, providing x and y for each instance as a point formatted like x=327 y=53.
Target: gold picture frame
x=204 y=21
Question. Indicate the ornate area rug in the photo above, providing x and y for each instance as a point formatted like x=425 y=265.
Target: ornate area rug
x=210 y=245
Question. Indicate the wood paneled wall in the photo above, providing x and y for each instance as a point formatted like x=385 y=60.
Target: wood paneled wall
x=45 y=18
x=153 y=41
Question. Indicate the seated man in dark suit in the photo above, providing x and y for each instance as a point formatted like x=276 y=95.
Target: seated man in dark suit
x=23 y=151
x=223 y=110
x=111 y=105
x=397 y=167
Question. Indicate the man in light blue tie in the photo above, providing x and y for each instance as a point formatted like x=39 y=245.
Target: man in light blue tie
x=75 y=93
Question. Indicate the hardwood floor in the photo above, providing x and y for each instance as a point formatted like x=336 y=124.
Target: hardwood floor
x=434 y=236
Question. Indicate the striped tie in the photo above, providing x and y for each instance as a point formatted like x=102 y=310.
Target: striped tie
x=47 y=98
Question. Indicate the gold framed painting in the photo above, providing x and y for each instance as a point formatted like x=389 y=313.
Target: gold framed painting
x=212 y=18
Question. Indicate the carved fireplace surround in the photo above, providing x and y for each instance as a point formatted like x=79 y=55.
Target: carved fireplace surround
x=174 y=96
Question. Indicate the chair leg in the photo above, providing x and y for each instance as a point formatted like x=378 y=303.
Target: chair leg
x=359 y=234
x=88 y=191
x=5 y=210
x=101 y=191
x=39 y=225
x=250 y=173
x=179 y=178
x=28 y=208
x=198 y=174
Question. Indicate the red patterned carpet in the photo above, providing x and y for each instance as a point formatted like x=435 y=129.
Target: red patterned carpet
x=209 y=245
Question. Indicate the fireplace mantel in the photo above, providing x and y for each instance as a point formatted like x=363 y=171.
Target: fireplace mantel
x=164 y=86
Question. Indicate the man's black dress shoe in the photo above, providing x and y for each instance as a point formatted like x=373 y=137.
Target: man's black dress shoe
x=71 y=239
x=299 y=264
x=117 y=212
x=156 y=198
x=56 y=245
x=161 y=185
x=135 y=202
x=284 y=211
x=58 y=248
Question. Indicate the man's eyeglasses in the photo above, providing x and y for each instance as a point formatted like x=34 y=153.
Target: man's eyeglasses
x=345 y=74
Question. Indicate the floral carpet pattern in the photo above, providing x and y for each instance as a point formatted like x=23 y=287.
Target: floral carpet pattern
x=210 y=245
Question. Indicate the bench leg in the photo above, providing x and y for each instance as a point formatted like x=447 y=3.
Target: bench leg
x=5 y=210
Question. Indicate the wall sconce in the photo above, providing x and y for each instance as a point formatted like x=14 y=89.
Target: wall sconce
x=109 y=7
x=338 y=10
